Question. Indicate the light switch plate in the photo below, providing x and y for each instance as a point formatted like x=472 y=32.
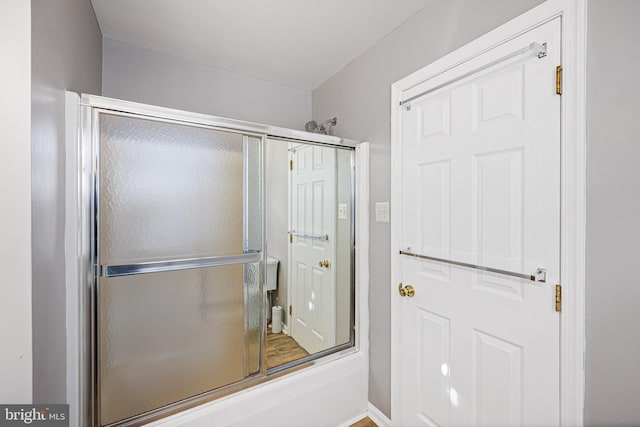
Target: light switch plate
x=343 y=211
x=382 y=211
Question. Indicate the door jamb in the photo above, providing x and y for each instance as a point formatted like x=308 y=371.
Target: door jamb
x=573 y=193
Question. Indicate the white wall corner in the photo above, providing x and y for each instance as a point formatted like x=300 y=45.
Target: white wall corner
x=363 y=162
x=72 y=267
x=362 y=247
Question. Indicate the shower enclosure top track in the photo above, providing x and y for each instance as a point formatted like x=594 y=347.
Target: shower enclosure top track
x=213 y=121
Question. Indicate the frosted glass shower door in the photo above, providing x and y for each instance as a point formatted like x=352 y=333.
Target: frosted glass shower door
x=179 y=249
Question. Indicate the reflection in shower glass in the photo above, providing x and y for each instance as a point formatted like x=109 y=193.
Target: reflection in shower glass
x=310 y=245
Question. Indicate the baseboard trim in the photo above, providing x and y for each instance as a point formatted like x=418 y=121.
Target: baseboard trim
x=285 y=329
x=353 y=420
x=377 y=416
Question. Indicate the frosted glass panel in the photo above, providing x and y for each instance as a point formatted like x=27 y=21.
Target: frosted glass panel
x=170 y=191
x=253 y=194
x=253 y=315
x=164 y=337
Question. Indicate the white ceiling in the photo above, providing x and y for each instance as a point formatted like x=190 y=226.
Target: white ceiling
x=299 y=43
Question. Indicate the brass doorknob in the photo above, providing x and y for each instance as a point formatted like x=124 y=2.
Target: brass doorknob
x=410 y=291
x=406 y=291
x=324 y=263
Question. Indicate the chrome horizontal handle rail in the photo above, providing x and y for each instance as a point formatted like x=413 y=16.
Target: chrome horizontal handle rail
x=540 y=51
x=324 y=237
x=539 y=276
x=179 y=264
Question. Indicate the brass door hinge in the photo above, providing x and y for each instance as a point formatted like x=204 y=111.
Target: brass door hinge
x=559 y=80
x=290 y=165
x=290 y=309
x=558 y=298
x=290 y=238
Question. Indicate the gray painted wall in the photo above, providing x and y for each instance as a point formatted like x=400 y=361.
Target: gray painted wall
x=15 y=202
x=136 y=74
x=66 y=55
x=360 y=95
x=613 y=214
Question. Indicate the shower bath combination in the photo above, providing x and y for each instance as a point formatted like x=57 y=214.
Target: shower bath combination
x=172 y=304
x=325 y=128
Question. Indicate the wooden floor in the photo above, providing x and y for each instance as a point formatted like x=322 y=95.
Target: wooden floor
x=365 y=422
x=281 y=349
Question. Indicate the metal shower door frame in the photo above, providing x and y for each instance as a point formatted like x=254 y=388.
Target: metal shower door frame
x=88 y=193
x=102 y=271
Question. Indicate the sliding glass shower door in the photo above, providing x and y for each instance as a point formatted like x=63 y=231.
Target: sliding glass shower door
x=179 y=253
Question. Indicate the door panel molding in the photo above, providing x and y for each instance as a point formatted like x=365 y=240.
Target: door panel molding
x=573 y=174
x=311 y=214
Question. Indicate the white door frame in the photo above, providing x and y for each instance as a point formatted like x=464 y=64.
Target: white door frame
x=573 y=189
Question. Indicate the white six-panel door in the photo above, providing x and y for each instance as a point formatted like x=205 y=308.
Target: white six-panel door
x=312 y=218
x=481 y=185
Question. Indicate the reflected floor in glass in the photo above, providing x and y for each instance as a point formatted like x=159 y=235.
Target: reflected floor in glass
x=281 y=349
